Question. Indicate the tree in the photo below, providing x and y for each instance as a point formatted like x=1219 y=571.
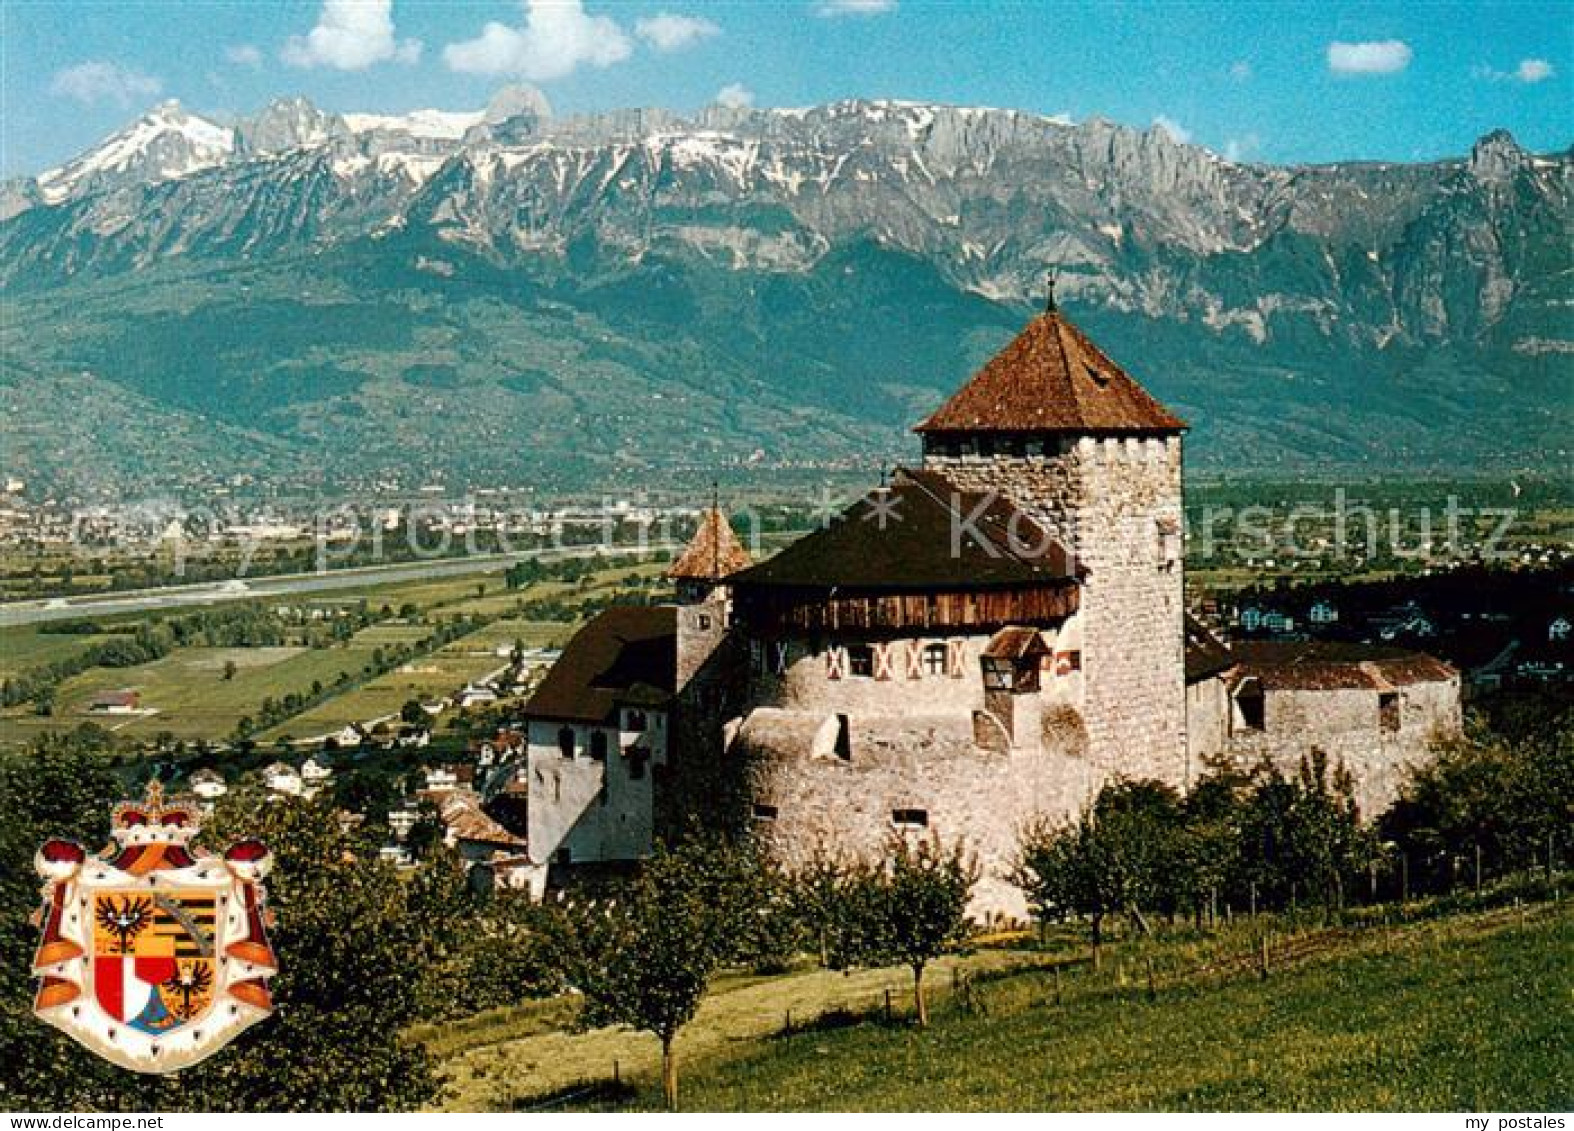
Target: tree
x=1511 y=798
x=62 y=787
x=647 y=960
x=1120 y=855
x=1065 y=871
x=353 y=941
x=412 y=712
x=918 y=895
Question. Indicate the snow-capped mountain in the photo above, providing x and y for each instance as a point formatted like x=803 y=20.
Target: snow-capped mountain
x=165 y=143
x=1430 y=291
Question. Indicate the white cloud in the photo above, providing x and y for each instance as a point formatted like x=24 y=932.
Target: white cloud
x=1178 y=133
x=830 y=8
x=557 y=37
x=1373 y=57
x=351 y=35
x=1240 y=70
x=667 y=32
x=1529 y=71
x=97 y=81
x=1242 y=148
x=735 y=96
x=1533 y=70
x=244 y=55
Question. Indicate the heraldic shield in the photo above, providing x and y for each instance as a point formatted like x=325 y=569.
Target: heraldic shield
x=154 y=953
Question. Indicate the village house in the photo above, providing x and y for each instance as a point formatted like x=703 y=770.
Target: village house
x=986 y=638
x=283 y=779
x=207 y=784
x=123 y=702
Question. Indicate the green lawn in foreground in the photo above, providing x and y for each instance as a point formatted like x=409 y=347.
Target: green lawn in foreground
x=1467 y=1013
x=1460 y=1020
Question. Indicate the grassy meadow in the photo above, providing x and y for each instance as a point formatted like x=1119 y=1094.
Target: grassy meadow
x=1470 y=1012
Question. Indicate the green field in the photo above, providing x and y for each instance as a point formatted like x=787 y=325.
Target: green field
x=501 y=633
x=425 y=677
x=187 y=693
x=23 y=647
x=1468 y=1013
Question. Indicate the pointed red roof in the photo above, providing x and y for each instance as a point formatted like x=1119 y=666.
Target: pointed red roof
x=1052 y=378
x=712 y=553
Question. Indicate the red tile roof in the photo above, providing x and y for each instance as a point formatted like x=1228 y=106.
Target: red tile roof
x=1324 y=666
x=1051 y=378
x=712 y=553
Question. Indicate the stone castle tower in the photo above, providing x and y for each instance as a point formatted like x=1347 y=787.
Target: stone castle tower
x=1058 y=429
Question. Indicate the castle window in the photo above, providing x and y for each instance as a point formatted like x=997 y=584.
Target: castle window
x=565 y=742
x=765 y=812
x=844 y=739
x=1250 y=708
x=635 y=720
x=598 y=745
x=702 y=620
x=860 y=660
x=1388 y=710
x=910 y=818
x=934 y=659
x=637 y=758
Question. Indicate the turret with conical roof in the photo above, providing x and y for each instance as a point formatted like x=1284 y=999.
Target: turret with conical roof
x=711 y=555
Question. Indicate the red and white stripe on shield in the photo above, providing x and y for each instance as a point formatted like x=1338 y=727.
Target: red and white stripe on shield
x=124 y=983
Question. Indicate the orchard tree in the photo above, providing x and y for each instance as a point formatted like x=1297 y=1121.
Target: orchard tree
x=1066 y=870
x=354 y=942
x=1121 y=854
x=919 y=895
x=646 y=960
x=907 y=908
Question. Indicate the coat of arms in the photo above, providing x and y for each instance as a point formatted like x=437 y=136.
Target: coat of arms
x=154 y=952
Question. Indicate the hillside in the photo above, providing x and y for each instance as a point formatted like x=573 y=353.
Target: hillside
x=323 y=299
x=1461 y=1013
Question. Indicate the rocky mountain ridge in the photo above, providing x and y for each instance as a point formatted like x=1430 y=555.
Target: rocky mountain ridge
x=1367 y=284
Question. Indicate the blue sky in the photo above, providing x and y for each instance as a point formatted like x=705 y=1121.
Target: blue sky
x=1279 y=82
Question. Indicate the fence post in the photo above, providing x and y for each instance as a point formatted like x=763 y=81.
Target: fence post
x=1254 y=899
x=1262 y=955
x=617 y=1073
x=1153 y=991
x=888 y=1003
x=1057 y=985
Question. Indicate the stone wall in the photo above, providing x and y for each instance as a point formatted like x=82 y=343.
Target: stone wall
x=808 y=799
x=1116 y=502
x=1346 y=724
x=1207 y=724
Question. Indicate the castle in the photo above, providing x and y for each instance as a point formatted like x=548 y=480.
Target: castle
x=988 y=638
